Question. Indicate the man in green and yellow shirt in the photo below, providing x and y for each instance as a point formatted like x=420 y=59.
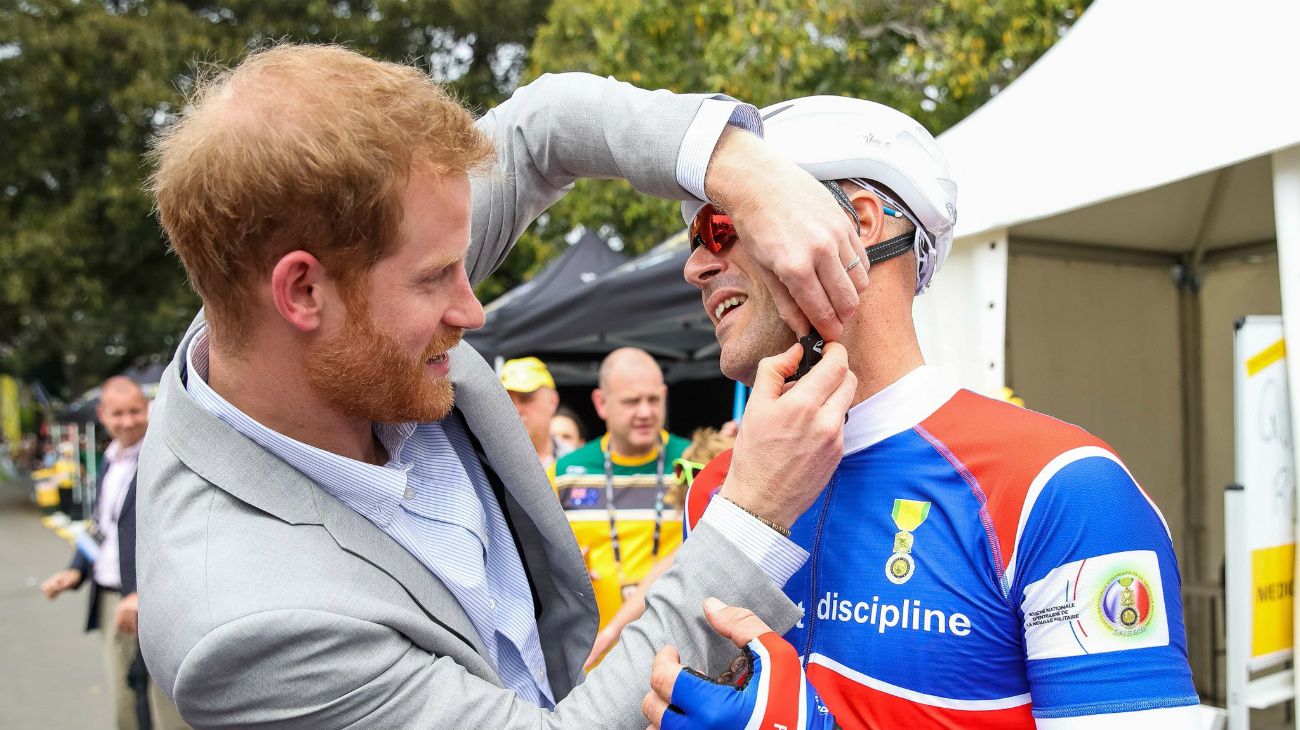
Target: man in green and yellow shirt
x=613 y=489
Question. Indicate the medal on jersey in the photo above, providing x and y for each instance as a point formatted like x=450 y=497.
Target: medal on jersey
x=908 y=515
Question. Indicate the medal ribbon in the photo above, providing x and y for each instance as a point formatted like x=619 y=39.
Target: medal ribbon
x=910 y=513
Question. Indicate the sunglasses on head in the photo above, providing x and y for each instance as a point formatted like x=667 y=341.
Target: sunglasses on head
x=684 y=471
x=715 y=231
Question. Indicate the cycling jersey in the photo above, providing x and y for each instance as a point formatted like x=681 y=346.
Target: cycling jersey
x=976 y=564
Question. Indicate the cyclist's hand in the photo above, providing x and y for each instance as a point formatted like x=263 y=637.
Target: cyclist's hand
x=770 y=686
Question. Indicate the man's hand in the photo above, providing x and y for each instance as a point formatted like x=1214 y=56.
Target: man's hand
x=793 y=436
x=774 y=692
x=60 y=582
x=800 y=237
x=128 y=612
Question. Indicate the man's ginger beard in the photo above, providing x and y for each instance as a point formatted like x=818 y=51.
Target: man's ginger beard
x=364 y=373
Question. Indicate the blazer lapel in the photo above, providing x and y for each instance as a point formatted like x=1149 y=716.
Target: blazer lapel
x=249 y=473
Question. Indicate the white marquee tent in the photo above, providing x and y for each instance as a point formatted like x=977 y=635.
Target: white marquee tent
x=1120 y=205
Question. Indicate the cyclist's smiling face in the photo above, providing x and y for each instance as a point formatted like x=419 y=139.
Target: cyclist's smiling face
x=745 y=317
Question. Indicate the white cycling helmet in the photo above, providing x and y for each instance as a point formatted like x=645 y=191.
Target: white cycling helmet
x=841 y=138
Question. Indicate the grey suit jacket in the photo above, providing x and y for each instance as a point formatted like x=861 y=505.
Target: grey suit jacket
x=266 y=602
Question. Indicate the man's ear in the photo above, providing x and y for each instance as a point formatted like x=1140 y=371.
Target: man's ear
x=598 y=400
x=296 y=289
x=871 y=214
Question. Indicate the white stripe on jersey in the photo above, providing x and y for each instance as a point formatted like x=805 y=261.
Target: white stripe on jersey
x=760 y=702
x=1001 y=703
x=1040 y=482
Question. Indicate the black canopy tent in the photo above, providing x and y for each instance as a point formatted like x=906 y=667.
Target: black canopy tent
x=580 y=264
x=641 y=303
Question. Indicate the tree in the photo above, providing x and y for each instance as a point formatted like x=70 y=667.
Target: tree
x=86 y=283
x=937 y=61
x=85 y=280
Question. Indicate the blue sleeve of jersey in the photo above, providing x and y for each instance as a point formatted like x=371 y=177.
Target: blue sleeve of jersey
x=1097 y=585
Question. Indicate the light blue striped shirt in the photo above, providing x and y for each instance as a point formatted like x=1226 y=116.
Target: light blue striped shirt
x=434 y=499
x=702 y=136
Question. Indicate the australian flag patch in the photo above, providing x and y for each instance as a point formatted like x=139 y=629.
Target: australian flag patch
x=582 y=497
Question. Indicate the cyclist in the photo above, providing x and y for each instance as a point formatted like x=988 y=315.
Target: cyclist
x=974 y=564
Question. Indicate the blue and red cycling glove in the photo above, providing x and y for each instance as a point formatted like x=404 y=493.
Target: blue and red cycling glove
x=770 y=693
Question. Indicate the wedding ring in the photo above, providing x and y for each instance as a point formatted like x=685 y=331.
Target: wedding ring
x=853 y=263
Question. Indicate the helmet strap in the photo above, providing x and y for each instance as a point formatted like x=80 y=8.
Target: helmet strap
x=885 y=250
x=896 y=246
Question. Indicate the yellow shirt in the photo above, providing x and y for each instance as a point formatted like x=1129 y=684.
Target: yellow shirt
x=580 y=486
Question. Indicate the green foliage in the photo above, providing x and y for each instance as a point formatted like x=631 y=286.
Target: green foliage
x=938 y=61
x=86 y=283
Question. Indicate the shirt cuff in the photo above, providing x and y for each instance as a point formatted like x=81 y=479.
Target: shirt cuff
x=776 y=555
x=702 y=136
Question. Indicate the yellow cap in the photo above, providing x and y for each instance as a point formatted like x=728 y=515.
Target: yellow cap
x=525 y=375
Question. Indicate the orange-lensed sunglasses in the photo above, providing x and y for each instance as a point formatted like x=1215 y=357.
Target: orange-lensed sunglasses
x=715 y=231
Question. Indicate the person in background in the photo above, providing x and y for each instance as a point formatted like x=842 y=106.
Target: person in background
x=124 y=411
x=566 y=430
x=614 y=489
x=706 y=443
x=532 y=390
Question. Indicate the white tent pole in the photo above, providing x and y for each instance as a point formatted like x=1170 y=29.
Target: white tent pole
x=1236 y=630
x=1286 y=212
x=991 y=261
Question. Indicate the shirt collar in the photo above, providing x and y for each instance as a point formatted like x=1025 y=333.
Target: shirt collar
x=629 y=461
x=899 y=407
x=117 y=452
x=373 y=491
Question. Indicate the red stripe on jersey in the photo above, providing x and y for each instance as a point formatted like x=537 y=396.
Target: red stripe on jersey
x=784 y=683
x=858 y=707
x=706 y=484
x=1003 y=448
